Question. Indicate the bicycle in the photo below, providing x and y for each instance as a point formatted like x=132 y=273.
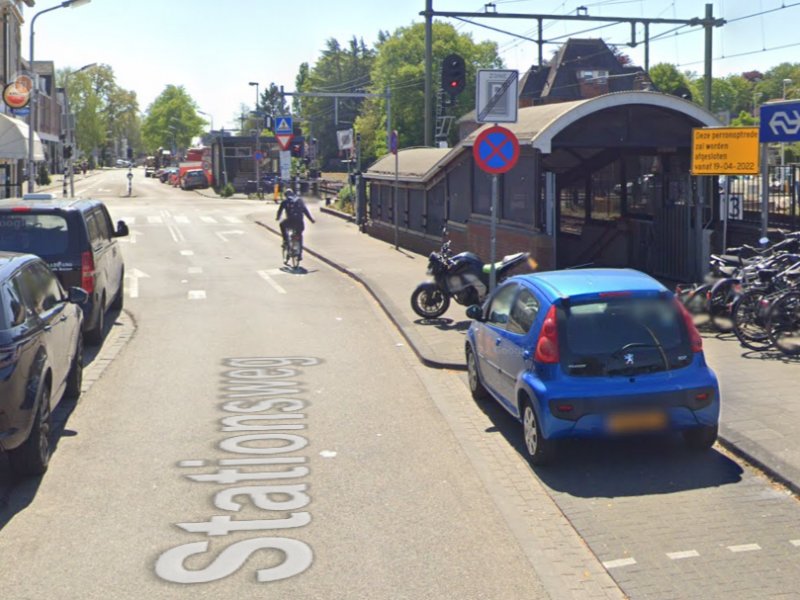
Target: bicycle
x=292 y=248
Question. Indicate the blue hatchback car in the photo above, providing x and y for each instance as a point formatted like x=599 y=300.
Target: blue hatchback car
x=591 y=353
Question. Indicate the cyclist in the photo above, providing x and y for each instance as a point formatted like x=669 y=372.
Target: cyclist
x=295 y=210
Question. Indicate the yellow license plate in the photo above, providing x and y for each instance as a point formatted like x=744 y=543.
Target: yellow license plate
x=637 y=421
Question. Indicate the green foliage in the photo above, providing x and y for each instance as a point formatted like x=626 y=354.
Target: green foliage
x=171 y=118
x=346 y=199
x=399 y=64
x=668 y=79
x=745 y=119
x=43 y=175
x=227 y=191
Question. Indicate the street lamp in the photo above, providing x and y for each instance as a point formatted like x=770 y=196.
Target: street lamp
x=258 y=144
x=70 y=133
x=210 y=116
x=783 y=145
x=35 y=89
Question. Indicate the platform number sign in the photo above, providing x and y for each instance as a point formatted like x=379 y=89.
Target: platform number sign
x=735 y=208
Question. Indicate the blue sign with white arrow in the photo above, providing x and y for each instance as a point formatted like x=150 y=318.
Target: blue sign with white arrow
x=780 y=122
x=283 y=125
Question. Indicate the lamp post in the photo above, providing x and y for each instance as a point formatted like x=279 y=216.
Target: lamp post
x=210 y=116
x=35 y=89
x=783 y=145
x=71 y=129
x=258 y=145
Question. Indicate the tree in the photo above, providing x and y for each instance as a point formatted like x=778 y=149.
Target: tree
x=667 y=79
x=399 y=65
x=272 y=103
x=171 y=120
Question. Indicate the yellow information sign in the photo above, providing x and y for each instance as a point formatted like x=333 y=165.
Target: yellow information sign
x=725 y=151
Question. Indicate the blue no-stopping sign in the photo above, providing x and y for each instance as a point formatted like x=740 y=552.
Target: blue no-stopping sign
x=496 y=150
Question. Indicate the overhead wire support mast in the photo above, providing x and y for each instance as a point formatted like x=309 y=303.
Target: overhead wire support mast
x=708 y=22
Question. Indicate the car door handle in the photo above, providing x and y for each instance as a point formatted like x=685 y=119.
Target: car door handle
x=497 y=341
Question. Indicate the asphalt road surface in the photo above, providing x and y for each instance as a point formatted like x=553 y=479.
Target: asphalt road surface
x=252 y=431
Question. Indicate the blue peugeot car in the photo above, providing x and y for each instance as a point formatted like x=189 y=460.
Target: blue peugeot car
x=591 y=353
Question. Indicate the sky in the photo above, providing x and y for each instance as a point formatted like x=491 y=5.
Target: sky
x=214 y=48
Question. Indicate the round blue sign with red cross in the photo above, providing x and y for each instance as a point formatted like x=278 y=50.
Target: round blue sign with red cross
x=496 y=150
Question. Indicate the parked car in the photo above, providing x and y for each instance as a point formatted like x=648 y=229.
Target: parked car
x=76 y=238
x=123 y=163
x=41 y=356
x=194 y=179
x=591 y=353
x=165 y=173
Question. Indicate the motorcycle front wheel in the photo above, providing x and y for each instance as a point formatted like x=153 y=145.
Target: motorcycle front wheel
x=428 y=301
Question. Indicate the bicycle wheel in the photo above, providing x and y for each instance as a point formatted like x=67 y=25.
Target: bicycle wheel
x=784 y=323
x=748 y=317
x=720 y=303
x=694 y=299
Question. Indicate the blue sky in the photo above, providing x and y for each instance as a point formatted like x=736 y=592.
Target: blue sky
x=215 y=47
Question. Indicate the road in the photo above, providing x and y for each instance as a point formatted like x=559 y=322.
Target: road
x=269 y=433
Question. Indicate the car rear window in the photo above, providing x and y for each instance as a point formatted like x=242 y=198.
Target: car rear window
x=45 y=235
x=623 y=336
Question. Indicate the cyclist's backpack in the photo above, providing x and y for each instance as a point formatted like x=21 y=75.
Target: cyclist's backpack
x=294 y=210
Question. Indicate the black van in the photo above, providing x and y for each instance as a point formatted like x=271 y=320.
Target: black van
x=76 y=238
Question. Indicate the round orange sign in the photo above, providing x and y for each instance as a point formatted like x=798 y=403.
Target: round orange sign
x=17 y=94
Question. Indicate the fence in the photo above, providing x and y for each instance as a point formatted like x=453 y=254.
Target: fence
x=783 y=197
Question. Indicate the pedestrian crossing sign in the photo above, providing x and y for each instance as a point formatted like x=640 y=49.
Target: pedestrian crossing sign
x=283 y=125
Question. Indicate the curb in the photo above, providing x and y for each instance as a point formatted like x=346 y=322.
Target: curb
x=738 y=449
x=337 y=213
x=390 y=311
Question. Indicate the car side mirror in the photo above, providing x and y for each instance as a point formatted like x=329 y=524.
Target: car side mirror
x=122 y=229
x=78 y=295
x=475 y=312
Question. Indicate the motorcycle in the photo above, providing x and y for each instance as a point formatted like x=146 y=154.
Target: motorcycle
x=463 y=277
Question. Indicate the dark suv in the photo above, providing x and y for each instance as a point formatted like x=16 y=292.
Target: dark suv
x=41 y=356
x=77 y=240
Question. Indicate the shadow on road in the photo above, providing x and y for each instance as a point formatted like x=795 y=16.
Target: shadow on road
x=16 y=492
x=622 y=467
x=445 y=324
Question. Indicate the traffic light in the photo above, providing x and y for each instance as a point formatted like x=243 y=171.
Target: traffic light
x=454 y=75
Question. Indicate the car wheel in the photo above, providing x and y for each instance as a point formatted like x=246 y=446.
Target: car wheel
x=701 y=438
x=32 y=457
x=94 y=336
x=476 y=387
x=539 y=450
x=119 y=299
x=75 y=377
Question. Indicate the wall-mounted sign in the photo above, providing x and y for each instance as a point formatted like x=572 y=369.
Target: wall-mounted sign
x=725 y=151
x=17 y=94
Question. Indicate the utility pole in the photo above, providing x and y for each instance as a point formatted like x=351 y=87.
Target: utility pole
x=428 y=70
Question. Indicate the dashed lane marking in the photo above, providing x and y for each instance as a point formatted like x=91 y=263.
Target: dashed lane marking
x=620 y=562
x=155 y=220
x=182 y=219
x=233 y=219
x=744 y=548
x=795 y=543
x=683 y=554
x=176 y=233
x=205 y=219
x=194 y=270
x=187 y=253
x=196 y=295
x=265 y=276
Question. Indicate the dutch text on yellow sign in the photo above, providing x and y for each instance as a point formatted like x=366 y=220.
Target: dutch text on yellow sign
x=725 y=151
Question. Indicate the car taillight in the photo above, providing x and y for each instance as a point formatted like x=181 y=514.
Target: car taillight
x=87 y=272
x=547 y=345
x=695 y=340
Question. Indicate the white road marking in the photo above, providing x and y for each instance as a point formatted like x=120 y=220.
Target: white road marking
x=182 y=219
x=205 y=219
x=196 y=295
x=265 y=276
x=131 y=237
x=328 y=453
x=795 y=543
x=233 y=219
x=133 y=276
x=223 y=235
x=194 y=270
x=620 y=562
x=154 y=220
x=176 y=233
x=187 y=253
x=744 y=548
x=276 y=272
x=683 y=554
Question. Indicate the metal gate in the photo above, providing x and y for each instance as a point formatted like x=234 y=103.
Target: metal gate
x=670 y=254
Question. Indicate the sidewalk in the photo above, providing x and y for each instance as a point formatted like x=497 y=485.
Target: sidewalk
x=761 y=400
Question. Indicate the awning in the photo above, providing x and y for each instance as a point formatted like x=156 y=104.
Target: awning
x=14 y=140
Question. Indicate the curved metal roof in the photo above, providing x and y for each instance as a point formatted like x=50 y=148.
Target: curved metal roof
x=536 y=126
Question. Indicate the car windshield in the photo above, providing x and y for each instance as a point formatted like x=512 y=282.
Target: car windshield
x=42 y=234
x=623 y=336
